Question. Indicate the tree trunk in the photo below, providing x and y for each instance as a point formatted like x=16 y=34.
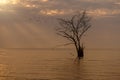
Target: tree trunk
x=80 y=53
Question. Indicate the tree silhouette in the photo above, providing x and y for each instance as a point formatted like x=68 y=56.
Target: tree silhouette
x=73 y=29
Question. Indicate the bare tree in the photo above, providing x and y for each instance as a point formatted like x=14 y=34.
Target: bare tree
x=73 y=29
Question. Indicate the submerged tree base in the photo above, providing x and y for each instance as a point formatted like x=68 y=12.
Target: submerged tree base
x=80 y=53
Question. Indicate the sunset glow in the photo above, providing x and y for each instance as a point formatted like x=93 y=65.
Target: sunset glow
x=51 y=12
x=44 y=0
x=38 y=17
x=4 y=1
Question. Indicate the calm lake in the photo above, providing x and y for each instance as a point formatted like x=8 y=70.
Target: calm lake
x=45 y=64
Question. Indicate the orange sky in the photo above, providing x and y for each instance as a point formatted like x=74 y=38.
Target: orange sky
x=31 y=23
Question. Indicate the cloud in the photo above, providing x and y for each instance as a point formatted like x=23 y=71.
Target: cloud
x=33 y=10
x=49 y=7
x=104 y=12
x=44 y=0
x=51 y=12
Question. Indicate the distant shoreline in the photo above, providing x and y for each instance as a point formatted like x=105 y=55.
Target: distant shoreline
x=95 y=49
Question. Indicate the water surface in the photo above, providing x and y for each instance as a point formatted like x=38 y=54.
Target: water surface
x=37 y=64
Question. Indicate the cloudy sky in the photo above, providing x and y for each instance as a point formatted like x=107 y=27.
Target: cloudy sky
x=32 y=23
